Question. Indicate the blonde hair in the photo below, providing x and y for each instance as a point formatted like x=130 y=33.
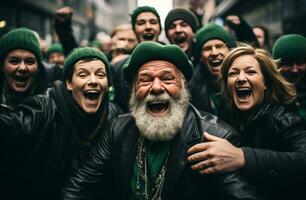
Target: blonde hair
x=278 y=88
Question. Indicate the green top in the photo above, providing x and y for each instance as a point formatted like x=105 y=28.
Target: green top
x=156 y=156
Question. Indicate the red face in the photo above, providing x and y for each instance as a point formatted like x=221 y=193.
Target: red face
x=158 y=77
x=20 y=69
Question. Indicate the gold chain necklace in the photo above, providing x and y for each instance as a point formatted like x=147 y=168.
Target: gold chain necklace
x=142 y=175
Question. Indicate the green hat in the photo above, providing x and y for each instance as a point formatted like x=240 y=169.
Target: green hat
x=20 y=38
x=142 y=9
x=290 y=48
x=56 y=47
x=96 y=43
x=183 y=14
x=150 y=51
x=212 y=31
x=82 y=53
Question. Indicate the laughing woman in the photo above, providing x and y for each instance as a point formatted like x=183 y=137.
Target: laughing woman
x=273 y=155
x=47 y=136
x=22 y=73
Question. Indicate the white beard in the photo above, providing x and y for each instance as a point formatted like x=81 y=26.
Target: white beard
x=163 y=128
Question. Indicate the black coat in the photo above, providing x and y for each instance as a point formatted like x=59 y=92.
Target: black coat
x=41 y=144
x=112 y=161
x=274 y=145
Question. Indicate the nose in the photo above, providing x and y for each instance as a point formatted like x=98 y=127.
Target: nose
x=148 y=25
x=22 y=66
x=214 y=50
x=178 y=28
x=93 y=79
x=156 y=87
x=294 y=68
x=241 y=78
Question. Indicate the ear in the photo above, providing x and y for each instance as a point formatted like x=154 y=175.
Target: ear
x=68 y=85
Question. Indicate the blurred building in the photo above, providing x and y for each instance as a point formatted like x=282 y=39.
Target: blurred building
x=90 y=16
x=280 y=16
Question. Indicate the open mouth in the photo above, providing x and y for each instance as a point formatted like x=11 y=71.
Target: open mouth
x=158 y=106
x=179 y=40
x=244 y=93
x=22 y=78
x=92 y=95
x=148 y=36
x=215 y=62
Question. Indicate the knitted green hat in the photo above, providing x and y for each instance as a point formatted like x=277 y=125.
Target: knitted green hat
x=212 y=31
x=150 y=51
x=20 y=38
x=96 y=43
x=142 y=9
x=56 y=47
x=82 y=53
x=183 y=14
x=290 y=48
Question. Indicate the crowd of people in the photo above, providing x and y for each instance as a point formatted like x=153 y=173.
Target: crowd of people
x=218 y=113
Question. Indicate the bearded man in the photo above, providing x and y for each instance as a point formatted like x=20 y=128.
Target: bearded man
x=143 y=154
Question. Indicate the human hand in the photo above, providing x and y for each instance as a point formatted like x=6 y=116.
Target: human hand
x=215 y=155
x=233 y=19
x=64 y=14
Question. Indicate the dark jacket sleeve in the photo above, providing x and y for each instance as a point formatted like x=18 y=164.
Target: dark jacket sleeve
x=87 y=182
x=65 y=35
x=244 y=32
x=290 y=133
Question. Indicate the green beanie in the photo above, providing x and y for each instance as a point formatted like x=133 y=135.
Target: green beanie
x=212 y=31
x=82 y=53
x=20 y=38
x=142 y=9
x=96 y=43
x=290 y=48
x=56 y=47
x=150 y=51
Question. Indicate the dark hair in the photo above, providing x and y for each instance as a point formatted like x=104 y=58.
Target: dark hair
x=266 y=34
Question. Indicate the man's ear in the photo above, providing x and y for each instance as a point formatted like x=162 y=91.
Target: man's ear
x=68 y=85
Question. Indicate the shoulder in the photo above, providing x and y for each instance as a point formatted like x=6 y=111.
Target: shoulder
x=213 y=124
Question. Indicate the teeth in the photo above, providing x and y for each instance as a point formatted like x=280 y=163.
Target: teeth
x=243 y=89
x=158 y=102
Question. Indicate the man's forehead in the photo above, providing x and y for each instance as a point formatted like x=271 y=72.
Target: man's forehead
x=179 y=21
x=212 y=42
x=146 y=15
x=157 y=65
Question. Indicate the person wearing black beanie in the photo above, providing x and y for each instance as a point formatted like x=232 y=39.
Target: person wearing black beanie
x=180 y=27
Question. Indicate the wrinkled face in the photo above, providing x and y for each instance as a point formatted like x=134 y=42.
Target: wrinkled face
x=126 y=37
x=212 y=55
x=181 y=34
x=20 y=69
x=88 y=84
x=158 y=77
x=147 y=27
x=260 y=35
x=295 y=72
x=57 y=58
x=246 y=83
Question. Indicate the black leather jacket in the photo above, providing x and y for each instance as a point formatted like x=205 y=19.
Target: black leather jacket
x=112 y=160
x=274 y=145
x=40 y=146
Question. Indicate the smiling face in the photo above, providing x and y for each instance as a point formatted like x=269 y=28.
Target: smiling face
x=295 y=72
x=212 y=55
x=159 y=100
x=57 y=58
x=181 y=34
x=246 y=84
x=88 y=84
x=147 y=27
x=20 y=69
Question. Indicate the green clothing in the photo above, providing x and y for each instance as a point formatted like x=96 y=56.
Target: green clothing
x=156 y=154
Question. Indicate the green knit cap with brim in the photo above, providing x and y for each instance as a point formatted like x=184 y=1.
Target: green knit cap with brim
x=142 y=9
x=20 y=38
x=55 y=47
x=82 y=53
x=290 y=48
x=213 y=31
x=150 y=51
